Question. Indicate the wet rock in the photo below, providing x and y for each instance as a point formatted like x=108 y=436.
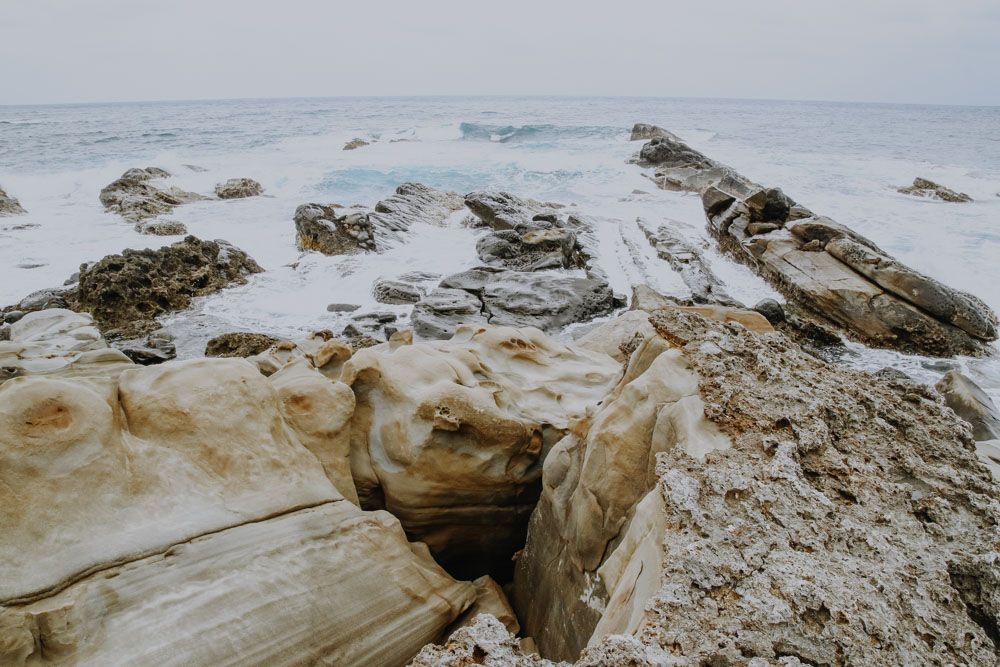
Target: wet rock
x=380 y=317
x=438 y=314
x=688 y=261
x=532 y=251
x=929 y=189
x=12 y=316
x=238 y=188
x=161 y=228
x=396 y=292
x=771 y=310
x=970 y=403
x=321 y=228
x=9 y=205
x=157 y=348
x=239 y=344
x=642 y=131
x=355 y=143
x=502 y=210
x=547 y=300
x=413 y=203
x=129 y=290
x=50 y=297
x=135 y=199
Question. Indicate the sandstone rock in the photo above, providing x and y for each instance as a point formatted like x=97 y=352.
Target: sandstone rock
x=449 y=435
x=9 y=205
x=320 y=228
x=616 y=336
x=321 y=349
x=929 y=189
x=135 y=199
x=239 y=344
x=796 y=510
x=206 y=519
x=690 y=263
x=161 y=228
x=396 y=292
x=238 y=188
x=645 y=298
x=355 y=143
x=60 y=342
x=127 y=291
x=490 y=599
x=645 y=132
x=970 y=403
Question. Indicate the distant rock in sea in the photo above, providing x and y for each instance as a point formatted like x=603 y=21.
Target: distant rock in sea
x=238 y=188
x=930 y=190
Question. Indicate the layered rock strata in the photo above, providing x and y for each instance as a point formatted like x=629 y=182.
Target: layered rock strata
x=217 y=535
x=690 y=263
x=837 y=274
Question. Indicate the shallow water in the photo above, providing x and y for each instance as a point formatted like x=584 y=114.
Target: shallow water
x=841 y=160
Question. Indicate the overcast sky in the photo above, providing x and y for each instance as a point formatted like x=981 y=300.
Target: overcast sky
x=925 y=51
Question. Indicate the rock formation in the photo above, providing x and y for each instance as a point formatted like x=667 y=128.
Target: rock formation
x=216 y=535
x=684 y=258
x=161 y=228
x=449 y=435
x=970 y=403
x=9 y=205
x=733 y=499
x=321 y=349
x=238 y=188
x=930 y=190
x=645 y=132
x=836 y=274
x=411 y=203
x=134 y=198
x=129 y=290
x=324 y=229
x=355 y=143
x=239 y=344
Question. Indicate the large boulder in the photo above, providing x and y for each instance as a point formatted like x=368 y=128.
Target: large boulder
x=177 y=517
x=534 y=250
x=9 y=205
x=331 y=231
x=930 y=190
x=238 y=188
x=733 y=498
x=449 y=436
x=129 y=290
x=134 y=198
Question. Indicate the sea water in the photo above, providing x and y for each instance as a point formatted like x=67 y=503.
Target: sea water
x=840 y=160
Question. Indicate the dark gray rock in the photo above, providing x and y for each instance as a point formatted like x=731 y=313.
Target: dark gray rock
x=396 y=292
x=502 y=210
x=548 y=300
x=411 y=203
x=12 y=316
x=643 y=132
x=161 y=228
x=688 y=261
x=441 y=311
x=531 y=251
x=157 y=348
x=342 y=307
x=135 y=199
x=771 y=310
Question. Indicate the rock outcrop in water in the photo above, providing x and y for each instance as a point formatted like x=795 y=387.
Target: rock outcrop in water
x=836 y=274
x=689 y=262
x=930 y=190
x=238 y=188
x=129 y=290
x=734 y=499
x=332 y=231
x=161 y=227
x=9 y=205
x=134 y=198
x=413 y=203
x=645 y=132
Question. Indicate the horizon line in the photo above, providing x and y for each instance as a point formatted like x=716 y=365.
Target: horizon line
x=488 y=95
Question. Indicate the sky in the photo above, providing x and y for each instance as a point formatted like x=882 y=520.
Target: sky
x=909 y=51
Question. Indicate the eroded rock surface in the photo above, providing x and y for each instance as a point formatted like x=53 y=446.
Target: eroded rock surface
x=449 y=435
x=239 y=344
x=794 y=509
x=930 y=190
x=9 y=205
x=129 y=290
x=161 y=228
x=645 y=132
x=134 y=198
x=838 y=275
x=411 y=203
x=238 y=188
x=210 y=533
x=332 y=230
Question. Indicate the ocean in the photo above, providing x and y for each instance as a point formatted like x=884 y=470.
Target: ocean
x=841 y=160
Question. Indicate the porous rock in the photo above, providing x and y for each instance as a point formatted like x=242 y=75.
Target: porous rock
x=930 y=190
x=238 y=188
x=239 y=344
x=324 y=229
x=161 y=228
x=355 y=143
x=135 y=199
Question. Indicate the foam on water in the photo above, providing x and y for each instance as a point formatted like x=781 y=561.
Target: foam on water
x=841 y=160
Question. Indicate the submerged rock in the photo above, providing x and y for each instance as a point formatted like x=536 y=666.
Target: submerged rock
x=238 y=188
x=323 y=229
x=129 y=290
x=930 y=190
x=135 y=199
x=732 y=496
x=161 y=228
x=9 y=205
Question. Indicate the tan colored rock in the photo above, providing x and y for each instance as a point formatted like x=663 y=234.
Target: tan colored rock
x=616 y=336
x=929 y=189
x=490 y=599
x=449 y=435
x=173 y=517
x=485 y=642
x=320 y=348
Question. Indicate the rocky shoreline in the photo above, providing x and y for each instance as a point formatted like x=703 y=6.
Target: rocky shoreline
x=510 y=468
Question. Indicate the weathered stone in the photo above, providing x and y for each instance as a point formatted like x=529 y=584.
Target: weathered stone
x=412 y=203
x=502 y=210
x=238 y=188
x=9 y=205
x=547 y=300
x=970 y=403
x=615 y=337
x=642 y=131
x=438 y=314
x=322 y=229
x=321 y=349
x=396 y=292
x=161 y=228
x=689 y=262
x=239 y=344
x=342 y=307
x=929 y=189
x=133 y=198
x=535 y=250
x=355 y=143
x=127 y=291
x=771 y=310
